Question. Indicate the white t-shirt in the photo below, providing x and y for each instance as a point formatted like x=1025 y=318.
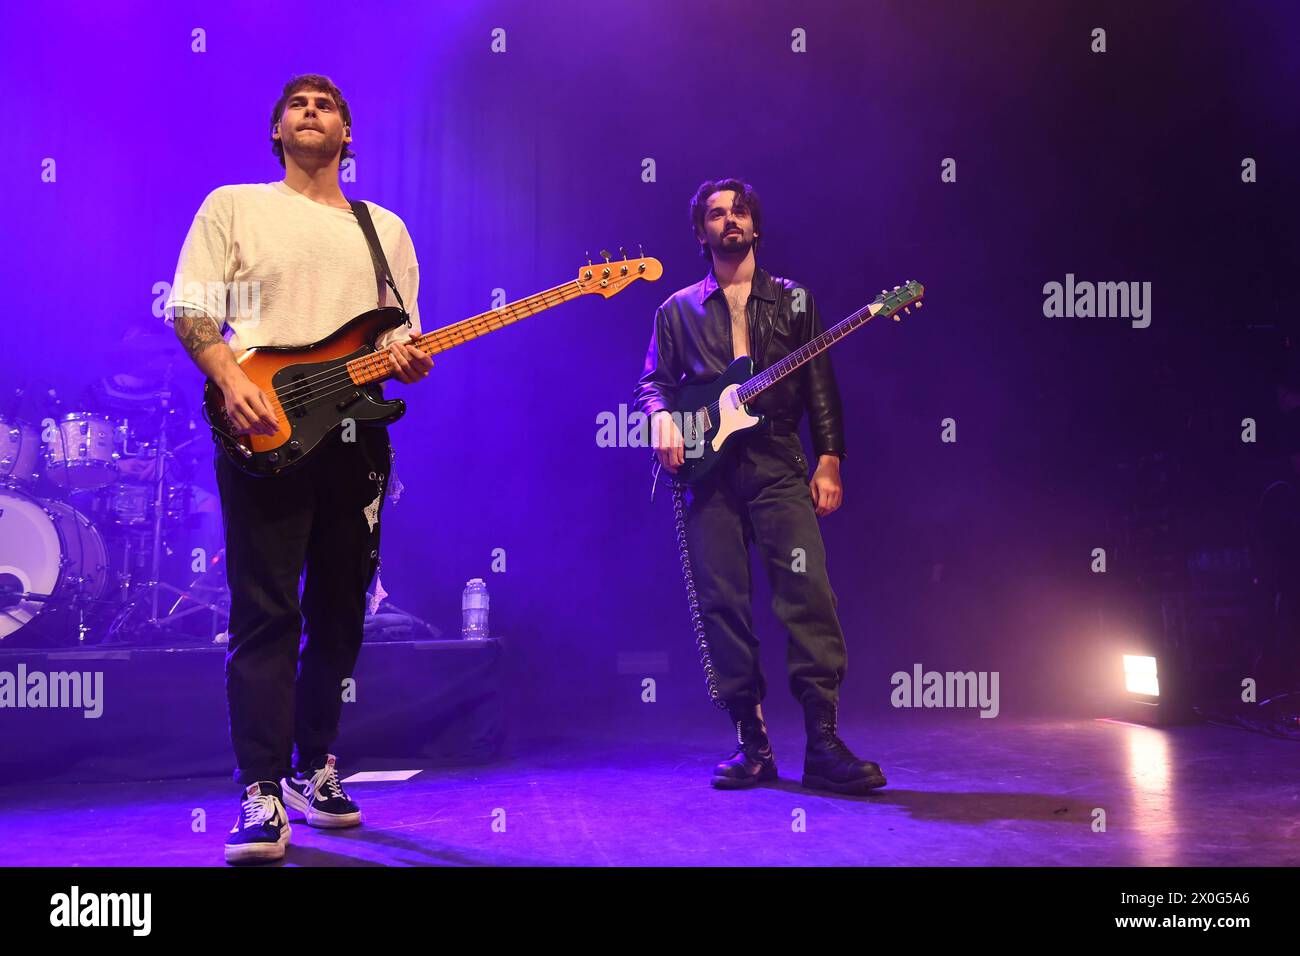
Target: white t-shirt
x=282 y=269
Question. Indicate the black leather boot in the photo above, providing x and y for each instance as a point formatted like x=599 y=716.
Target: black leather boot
x=828 y=763
x=753 y=762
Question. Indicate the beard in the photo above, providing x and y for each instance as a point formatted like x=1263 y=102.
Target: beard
x=315 y=148
x=736 y=245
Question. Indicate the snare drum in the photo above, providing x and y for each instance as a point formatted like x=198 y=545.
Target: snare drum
x=82 y=451
x=127 y=504
x=20 y=452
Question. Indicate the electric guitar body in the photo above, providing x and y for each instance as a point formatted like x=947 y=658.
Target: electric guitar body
x=705 y=436
x=711 y=413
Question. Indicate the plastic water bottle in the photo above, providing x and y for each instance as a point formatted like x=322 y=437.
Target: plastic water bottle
x=474 y=611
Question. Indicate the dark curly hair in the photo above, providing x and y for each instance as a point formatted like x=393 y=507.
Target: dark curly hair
x=746 y=200
x=318 y=84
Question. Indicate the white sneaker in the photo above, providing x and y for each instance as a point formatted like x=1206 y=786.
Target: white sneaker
x=261 y=834
x=315 y=794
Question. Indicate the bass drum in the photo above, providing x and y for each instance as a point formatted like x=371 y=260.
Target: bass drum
x=47 y=547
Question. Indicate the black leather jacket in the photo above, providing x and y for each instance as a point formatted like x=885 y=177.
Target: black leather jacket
x=692 y=344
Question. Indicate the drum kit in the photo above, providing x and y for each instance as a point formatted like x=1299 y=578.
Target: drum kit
x=102 y=538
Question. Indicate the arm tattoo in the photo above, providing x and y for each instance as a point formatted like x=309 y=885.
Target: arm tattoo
x=196 y=330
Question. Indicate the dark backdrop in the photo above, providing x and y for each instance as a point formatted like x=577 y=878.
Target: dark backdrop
x=509 y=167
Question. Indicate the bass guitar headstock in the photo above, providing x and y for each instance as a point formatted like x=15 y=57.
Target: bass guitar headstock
x=610 y=278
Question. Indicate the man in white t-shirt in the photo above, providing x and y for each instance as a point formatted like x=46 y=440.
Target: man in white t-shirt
x=287 y=263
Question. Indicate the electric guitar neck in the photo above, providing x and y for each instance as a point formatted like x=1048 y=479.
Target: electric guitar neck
x=887 y=303
x=376 y=368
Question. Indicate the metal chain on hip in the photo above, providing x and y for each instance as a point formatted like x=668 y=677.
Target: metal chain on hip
x=693 y=597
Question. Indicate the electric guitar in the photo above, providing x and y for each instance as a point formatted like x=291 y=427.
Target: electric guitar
x=709 y=414
x=314 y=389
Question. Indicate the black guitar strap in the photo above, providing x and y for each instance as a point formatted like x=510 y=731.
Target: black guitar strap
x=383 y=275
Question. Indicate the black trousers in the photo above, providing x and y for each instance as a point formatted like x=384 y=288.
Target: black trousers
x=284 y=688
x=759 y=495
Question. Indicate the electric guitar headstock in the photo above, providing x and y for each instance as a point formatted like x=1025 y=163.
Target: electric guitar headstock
x=900 y=299
x=609 y=278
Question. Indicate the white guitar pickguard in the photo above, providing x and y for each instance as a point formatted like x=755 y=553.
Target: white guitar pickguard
x=732 y=417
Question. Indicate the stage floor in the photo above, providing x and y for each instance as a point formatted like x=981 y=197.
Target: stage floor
x=966 y=792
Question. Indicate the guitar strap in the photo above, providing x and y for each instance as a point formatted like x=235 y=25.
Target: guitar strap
x=383 y=275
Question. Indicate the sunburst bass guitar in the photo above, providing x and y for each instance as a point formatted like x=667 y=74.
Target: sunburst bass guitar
x=314 y=389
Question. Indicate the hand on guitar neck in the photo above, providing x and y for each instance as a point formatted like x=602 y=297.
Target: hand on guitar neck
x=410 y=363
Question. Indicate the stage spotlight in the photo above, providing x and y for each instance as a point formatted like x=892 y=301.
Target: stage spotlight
x=1152 y=690
x=1140 y=676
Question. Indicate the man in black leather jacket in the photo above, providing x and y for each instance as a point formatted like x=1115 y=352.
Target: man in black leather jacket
x=760 y=492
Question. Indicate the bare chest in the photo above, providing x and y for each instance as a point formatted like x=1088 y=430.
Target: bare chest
x=737 y=302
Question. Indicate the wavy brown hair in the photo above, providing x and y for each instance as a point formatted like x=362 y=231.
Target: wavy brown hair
x=317 y=84
x=746 y=200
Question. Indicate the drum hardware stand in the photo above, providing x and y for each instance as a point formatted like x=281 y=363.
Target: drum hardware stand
x=155 y=586
x=160 y=493
x=19 y=597
x=215 y=603
x=79 y=602
x=75 y=601
x=197 y=605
